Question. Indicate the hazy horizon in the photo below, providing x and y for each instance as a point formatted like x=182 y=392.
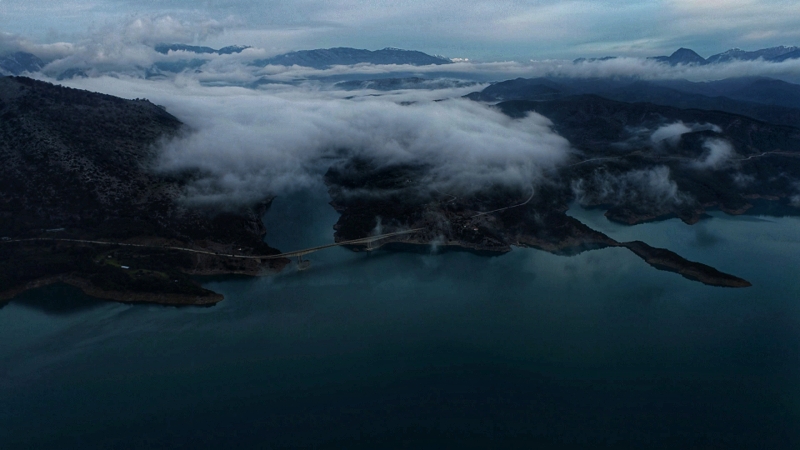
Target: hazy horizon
x=500 y=31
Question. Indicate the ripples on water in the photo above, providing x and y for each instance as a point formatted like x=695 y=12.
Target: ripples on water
x=377 y=350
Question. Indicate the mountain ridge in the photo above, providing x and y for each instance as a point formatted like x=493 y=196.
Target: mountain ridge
x=761 y=98
x=687 y=56
x=325 y=58
x=166 y=48
x=18 y=63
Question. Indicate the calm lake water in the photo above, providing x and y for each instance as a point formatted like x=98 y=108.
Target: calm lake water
x=402 y=350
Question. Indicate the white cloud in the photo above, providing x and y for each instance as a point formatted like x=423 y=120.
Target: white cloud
x=647 y=187
x=116 y=56
x=619 y=67
x=248 y=144
x=742 y=180
x=10 y=43
x=671 y=133
x=151 y=30
x=125 y=46
x=795 y=199
x=718 y=153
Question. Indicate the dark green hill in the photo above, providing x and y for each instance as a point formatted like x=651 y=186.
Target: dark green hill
x=765 y=163
x=76 y=165
x=638 y=161
x=765 y=99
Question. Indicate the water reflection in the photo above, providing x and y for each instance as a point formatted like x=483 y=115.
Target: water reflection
x=373 y=350
x=57 y=299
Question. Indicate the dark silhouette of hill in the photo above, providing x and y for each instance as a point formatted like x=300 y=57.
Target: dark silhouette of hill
x=649 y=92
x=766 y=155
x=683 y=56
x=763 y=90
x=521 y=88
x=391 y=84
x=638 y=161
x=686 y=56
x=776 y=54
x=166 y=48
x=324 y=58
x=766 y=99
x=76 y=163
x=20 y=62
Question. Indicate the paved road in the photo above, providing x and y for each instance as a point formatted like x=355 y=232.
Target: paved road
x=296 y=253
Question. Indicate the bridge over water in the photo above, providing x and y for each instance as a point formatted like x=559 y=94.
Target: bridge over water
x=367 y=240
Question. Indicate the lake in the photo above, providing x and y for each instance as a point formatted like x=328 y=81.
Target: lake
x=427 y=350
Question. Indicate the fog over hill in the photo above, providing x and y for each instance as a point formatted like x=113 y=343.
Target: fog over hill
x=441 y=167
x=483 y=156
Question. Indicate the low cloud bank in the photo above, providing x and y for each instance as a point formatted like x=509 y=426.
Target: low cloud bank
x=126 y=48
x=795 y=199
x=671 y=133
x=718 y=154
x=637 y=68
x=245 y=145
x=263 y=145
x=12 y=43
x=642 y=187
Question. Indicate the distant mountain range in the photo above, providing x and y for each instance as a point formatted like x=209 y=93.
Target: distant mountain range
x=766 y=99
x=317 y=59
x=20 y=62
x=781 y=53
x=327 y=57
x=166 y=48
x=391 y=84
x=324 y=58
x=687 y=56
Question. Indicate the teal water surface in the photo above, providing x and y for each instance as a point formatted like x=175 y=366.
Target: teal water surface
x=420 y=350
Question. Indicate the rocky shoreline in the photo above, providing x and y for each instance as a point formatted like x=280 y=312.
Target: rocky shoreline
x=471 y=224
x=86 y=286
x=664 y=259
x=132 y=274
x=658 y=258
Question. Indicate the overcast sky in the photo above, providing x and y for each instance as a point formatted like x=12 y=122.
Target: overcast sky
x=496 y=30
